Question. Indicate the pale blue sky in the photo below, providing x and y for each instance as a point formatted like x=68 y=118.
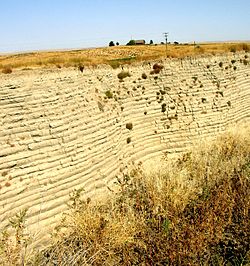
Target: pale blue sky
x=57 y=24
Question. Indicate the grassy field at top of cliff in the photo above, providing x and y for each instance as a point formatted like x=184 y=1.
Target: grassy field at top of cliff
x=114 y=56
x=190 y=211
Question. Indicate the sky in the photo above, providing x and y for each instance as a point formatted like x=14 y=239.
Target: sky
x=27 y=25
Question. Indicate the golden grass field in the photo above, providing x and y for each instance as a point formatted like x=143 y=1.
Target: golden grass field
x=113 y=56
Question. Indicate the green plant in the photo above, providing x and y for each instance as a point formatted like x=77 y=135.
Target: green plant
x=114 y=64
x=144 y=76
x=123 y=75
x=13 y=249
x=100 y=106
x=245 y=62
x=109 y=94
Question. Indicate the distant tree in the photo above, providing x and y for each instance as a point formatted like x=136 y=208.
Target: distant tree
x=111 y=43
x=117 y=43
x=151 y=42
x=162 y=43
x=131 y=42
x=176 y=43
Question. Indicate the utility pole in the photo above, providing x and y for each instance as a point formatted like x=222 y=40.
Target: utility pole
x=166 y=38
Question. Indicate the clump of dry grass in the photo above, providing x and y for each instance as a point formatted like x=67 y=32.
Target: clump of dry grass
x=190 y=211
x=7 y=70
x=239 y=47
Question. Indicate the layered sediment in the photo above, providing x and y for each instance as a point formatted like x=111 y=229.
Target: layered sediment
x=62 y=129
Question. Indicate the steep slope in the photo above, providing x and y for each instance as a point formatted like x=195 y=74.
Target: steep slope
x=62 y=129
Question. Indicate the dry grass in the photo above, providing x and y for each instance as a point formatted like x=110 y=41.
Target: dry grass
x=7 y=70
x=190 y=211
x=114 y=56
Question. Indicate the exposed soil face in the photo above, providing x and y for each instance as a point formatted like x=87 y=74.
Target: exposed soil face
x=65 y=129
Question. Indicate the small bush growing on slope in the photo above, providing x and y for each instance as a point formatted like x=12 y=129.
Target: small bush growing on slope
x=81 y=67
x=129 y=126
x=156 y=68
x=109 y=94
x=7 y=70
x=123 y=75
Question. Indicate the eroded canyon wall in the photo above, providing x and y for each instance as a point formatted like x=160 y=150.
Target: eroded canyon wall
x=61 y=129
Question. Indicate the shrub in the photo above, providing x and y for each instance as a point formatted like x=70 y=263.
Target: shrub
x=109 y=94
x=157 y=66
x=220 y=64
x=163 y=107
x=100 y=106
x=114 y=64
x=245 y=47
x=233 y=49
x=156 y=69
x=128 y=140
x=129 y=126
x=7 y=70
x=245 y=62
x=144 y=76
x=81 y=67
x=123 y=75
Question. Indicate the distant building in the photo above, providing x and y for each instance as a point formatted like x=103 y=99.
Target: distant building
x=140 y=42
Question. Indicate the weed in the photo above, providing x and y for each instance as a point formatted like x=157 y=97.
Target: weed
x=123 y=75
x=129 y=126
x=13 y=250
x=100 y=106
x=114 y=64
x=7 y=70
x=163 y=107
x=245 y=62
x=109 y=94
x=81 y=67
x=156 y=69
